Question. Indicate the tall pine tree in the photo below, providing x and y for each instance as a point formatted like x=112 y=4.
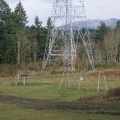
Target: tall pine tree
x=21 y=13
x=101 y=31
x=7 y=53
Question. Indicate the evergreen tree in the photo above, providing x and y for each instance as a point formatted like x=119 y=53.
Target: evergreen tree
x=101 y=31
x=38 y=38
x=38 y=24
x=118 y=24
x=7 y=53
x=21 y=13
x=11 y=22
x=49 y=23
x=38 y=35
x=118 y=31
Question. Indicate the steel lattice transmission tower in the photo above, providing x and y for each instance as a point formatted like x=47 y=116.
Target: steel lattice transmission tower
x=62 y=37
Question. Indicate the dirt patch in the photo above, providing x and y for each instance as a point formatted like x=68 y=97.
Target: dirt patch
x=78 y=106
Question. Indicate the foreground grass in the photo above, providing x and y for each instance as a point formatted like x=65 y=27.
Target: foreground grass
x=13 y=112
x=47 y=89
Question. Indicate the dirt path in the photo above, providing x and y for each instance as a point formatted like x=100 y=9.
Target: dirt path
x=88 y=107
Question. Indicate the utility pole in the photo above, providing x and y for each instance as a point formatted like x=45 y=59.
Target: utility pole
x=62 y=37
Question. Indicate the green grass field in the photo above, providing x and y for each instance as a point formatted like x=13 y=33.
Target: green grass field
x=46 y=89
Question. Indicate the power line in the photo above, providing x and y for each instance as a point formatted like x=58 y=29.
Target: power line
x=102 y=9
x=110 y=5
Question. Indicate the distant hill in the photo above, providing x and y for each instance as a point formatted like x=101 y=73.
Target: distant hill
x=94 y=23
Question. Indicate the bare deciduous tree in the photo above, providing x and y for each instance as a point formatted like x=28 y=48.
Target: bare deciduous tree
x=111 y=42
x=23 y=45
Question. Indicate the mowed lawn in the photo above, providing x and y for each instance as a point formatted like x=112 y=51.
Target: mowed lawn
x=46 y=89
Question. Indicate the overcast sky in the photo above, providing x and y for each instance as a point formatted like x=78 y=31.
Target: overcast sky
x=95 y=9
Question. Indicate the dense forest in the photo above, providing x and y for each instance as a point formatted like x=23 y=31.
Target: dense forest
x=20 y=43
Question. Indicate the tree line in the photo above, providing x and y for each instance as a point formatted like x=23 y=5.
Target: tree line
x=106 y=44
x=20 y=43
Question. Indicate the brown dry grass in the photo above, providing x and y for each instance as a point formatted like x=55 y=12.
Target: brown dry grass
x=110 y=95
x=113 y=94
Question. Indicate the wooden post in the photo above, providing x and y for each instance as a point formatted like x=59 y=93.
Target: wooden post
x=98 y=82
x=105 y=83
x=79 y=82
x=87 y=80
x=99 y=78
x=61 y=80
